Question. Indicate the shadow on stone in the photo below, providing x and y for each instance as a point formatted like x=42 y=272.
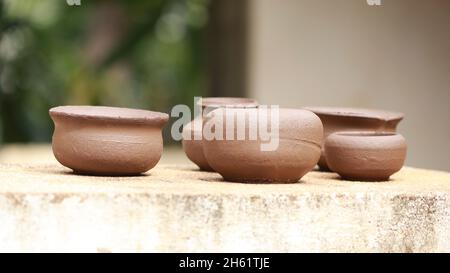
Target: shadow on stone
x=102 y=175
x=220 y=179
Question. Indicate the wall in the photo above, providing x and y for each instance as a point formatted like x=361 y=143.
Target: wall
x=346 y=53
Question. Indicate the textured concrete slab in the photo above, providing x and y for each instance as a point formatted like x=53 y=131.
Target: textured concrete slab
x=177 y=208
x=35 y=153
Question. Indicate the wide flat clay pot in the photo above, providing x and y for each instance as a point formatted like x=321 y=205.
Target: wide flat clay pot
x=192 y=132
x=338 y=119
x=299 y=144
x=101 y=140
x=365 y=156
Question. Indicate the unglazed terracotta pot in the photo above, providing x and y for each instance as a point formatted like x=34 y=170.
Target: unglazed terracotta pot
x=299 y=145
x=338 y=119
x=365 y=156
x=192 y=132
x=192 y=143
x=101 y=140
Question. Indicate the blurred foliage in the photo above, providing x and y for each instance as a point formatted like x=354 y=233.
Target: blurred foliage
x=142 y=54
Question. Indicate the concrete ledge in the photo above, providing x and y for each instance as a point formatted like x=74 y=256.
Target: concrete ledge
x=176 y=208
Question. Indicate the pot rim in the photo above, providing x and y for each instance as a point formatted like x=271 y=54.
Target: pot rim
x=366 y=139
x=107 y=113
x=356 y=112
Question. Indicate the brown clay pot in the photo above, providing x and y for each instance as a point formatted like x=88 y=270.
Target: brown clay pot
x=338 y=119
x=101 y=140
x=193 y=146
x=300 y=137
x=365 y=156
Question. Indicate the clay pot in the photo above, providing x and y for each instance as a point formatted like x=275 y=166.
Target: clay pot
x=192 y=145
x=337 y=119
x=365 y=156
x=192 y=132
x=299 y=141
x=107 y=140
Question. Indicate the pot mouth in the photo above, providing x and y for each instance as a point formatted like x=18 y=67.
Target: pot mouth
x=230 y=102
x=356 y=112
x=112 y=114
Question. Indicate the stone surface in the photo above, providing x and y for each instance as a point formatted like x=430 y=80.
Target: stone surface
x=44 y=207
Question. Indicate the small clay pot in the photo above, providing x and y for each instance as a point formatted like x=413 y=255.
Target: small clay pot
x=192 y=132
x=338 y=119
x=365 y=156
x=101 y=140
x=193 y=146
x=299 y=144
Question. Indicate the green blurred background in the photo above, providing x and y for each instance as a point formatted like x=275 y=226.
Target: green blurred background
x=142 y=54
